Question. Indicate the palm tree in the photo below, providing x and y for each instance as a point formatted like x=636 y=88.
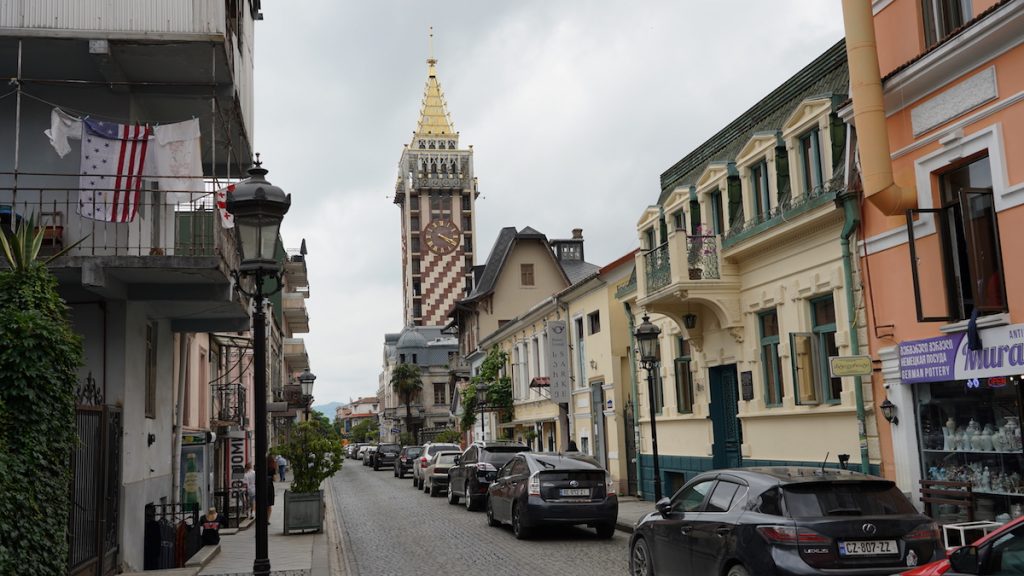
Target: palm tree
x=406 y=382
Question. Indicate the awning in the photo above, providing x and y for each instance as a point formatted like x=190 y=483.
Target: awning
x=525 y=422
x=540 y=382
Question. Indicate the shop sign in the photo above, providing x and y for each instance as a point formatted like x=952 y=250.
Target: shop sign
x=946 y=358
x=557 y=356
x=842 y=366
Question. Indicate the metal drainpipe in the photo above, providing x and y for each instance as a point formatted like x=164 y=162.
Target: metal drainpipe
x=636 y=401
x=851 y=221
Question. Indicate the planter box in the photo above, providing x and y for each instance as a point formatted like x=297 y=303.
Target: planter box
x=303 y=511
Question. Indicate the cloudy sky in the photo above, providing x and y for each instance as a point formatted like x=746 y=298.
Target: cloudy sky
x=574 y=108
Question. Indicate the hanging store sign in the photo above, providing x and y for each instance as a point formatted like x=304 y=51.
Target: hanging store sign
x=557 y=356
x=946 y=358
x=842 y=366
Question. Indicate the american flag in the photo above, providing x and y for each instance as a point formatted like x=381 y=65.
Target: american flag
x=112 y=162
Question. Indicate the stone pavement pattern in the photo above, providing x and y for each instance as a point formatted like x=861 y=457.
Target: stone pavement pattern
x=388 y=528
x=290 y=555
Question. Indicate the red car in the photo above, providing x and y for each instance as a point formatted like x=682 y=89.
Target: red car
x=998 y=552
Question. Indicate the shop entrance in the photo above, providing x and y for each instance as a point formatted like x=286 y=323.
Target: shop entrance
x=725 y=426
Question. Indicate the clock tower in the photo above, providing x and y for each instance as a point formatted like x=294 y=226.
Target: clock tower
x=436 y=193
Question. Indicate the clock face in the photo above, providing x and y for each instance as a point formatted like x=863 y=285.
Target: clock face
x=441 y=236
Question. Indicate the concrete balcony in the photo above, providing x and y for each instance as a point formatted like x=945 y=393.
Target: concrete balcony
x=688 y=275
x=295 y=356
x=295 y=272
x=293 y=306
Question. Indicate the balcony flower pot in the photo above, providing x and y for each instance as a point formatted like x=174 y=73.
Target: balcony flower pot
x=315 y=454
x=696 y=273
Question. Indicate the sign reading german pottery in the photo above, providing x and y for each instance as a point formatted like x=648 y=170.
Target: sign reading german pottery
x=557 y=352
x=946 y=358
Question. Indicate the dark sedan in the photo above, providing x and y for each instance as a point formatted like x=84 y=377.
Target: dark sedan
x=406 y=459
x=784 y=521
x=538 y=489
x=385 y=456
x=477 y=468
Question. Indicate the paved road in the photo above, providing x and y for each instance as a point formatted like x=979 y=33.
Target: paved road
x=391 y=529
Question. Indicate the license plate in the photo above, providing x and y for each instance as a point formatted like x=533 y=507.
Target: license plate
x=868 y=548
x=574 y=492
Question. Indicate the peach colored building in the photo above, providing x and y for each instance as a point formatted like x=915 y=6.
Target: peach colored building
x=937 y=92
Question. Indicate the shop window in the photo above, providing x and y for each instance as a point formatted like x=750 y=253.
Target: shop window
x=812 y=383
x=942 y=17
x=810 y=161
x=959 y=269
x=717 y=217
x=684 y=380
x=759 y=189
x=526 y=274
x=771 y=370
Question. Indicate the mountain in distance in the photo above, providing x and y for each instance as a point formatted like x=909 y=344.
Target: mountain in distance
x=330 y=409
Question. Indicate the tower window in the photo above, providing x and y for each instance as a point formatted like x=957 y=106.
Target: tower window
x=467 y=202
x=415 y=265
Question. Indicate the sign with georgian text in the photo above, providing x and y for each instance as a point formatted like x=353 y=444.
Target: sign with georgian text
x=557 y=361
x=947 y=357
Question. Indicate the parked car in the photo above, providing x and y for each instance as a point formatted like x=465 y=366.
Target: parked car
x=429 y=449
x=537 y=489
x=352 y=449
x=785 y=521
x=384 y=455
x=368 y=454
x=406 y=458
x=435 y=475
x=361 y=452
x=476 y=468
x=998 y=552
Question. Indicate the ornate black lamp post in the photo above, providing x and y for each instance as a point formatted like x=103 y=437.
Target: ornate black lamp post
x=258 y=208
x=481 y=407
x=647 y=338
x=306 y=380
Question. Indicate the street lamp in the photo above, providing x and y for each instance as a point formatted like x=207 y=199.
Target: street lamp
x=647 y=338
x=258 y=208
x=306 y=380
x=481 y=406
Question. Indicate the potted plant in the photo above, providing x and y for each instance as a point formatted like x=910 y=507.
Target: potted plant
x=314 y=455
x=530 y=435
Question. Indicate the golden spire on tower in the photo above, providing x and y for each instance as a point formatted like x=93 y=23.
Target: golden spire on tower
x=434 y=119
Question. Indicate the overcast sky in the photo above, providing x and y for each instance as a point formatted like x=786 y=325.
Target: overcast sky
x=574 y=108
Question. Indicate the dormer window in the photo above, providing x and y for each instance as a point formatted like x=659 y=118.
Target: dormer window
x=759 y=189
x=649 y=240
x=679 y=220
x=570 y=252
x=810 y=161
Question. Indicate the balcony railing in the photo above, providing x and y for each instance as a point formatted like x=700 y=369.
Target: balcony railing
x=229 y=404
x=702 y=257
x=164 y=224
x=789 y=208
x=659 y=272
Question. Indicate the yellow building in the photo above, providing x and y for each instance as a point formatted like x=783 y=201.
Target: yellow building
x=744 y=268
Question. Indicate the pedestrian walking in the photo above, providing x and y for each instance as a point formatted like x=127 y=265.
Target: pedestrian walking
x=212 y=522
x=572 y=446
x=249 y=479
x=282 y=467
x=271 y=469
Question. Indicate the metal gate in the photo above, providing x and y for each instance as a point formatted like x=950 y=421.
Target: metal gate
x=95 y=492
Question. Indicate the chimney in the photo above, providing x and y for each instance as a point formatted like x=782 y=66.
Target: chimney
x=577 y=233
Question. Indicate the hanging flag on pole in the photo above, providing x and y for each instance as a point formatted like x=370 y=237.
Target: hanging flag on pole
x=226 y=219
x=113 y=156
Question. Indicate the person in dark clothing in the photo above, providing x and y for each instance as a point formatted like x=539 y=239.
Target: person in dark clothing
x=212 y=523
x=572 y=446
x=271 y=470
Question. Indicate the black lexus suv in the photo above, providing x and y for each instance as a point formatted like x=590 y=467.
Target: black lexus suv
x=385 y=456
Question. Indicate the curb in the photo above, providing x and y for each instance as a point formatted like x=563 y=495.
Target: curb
x=339 y=560
x=624 y=527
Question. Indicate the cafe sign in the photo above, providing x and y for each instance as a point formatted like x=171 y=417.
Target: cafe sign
x=947 y=357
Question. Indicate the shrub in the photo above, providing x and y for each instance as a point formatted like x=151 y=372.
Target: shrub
x=313 y=456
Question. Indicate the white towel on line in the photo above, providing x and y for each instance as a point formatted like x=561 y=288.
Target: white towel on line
x=62 y=127
x=176 y=157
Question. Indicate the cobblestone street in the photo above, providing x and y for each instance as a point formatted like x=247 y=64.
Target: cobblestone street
x=390 y=528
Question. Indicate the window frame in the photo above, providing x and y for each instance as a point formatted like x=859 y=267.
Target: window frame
x=444 y=392
x=683 y=377
x=594 y=322
x=770 y=342
x=717 y=216
x=940 y=21
x=810 y=160
x=821 y=332
x=760 y=190
x=679 y=220
x=526 y=275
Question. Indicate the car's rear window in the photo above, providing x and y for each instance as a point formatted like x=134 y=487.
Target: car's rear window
x=446 y=459
x=497 y=459
x=441 y=448
x=845 y=499
x=413 y=451
x=388 y=447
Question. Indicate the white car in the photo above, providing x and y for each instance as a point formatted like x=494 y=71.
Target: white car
x=362 y=451
x=429 y=449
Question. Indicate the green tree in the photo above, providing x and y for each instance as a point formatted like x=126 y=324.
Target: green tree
x=366 y=429
x=499 y=388
x=313 y=454
x=406 y=382
x=39 y=361
x=449 y=435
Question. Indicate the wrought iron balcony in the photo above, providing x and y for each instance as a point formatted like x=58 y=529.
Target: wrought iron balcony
x=658 y=268
x=229 y=406
x=702 y=257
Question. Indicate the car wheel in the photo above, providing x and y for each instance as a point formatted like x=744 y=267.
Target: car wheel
x=453 y=498
x=520 y=531
x=491 y=520
x=426 y=487
x=434 y=491
x=394 y=472
x=606 y=531
x=640 y=559
x=376 y=467
x=470 y=502
x=738 y=570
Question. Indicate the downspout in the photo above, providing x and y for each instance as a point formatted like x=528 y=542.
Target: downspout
x=179 y=416
x=635 y=398
x=869 y=113
x=851 y=221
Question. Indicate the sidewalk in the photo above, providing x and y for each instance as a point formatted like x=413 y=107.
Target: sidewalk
x=291 y=555
x=631 y=509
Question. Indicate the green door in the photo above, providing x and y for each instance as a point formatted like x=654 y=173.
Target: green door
x=725 y=426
